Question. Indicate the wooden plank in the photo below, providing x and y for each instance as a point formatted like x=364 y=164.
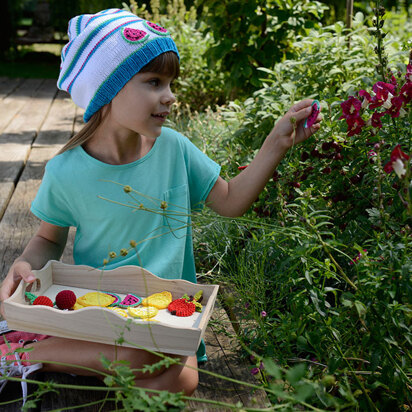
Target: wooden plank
x=15 y=101
x=18 y=137
x=7 y=86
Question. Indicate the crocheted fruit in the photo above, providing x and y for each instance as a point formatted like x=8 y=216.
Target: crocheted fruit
x=96 y=299
x=158 y=300
x=134 y=35
x=43 y=300
x=181 y=307
x=116 y=297
x=130 y=300
x=143 y=312
x=156 y=28
x=119 y=311
x=314 y=114
x=65 y=299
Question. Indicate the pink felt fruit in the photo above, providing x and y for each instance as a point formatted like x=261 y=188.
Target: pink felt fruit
x=310 y=121
x=130 y=300
x=134 y=35
x=156 y=28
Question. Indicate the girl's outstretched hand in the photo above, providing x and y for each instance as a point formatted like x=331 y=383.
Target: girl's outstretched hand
x=18 y=271
x=290 y=130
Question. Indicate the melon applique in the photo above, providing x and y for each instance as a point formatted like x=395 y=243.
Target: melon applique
x=130 y=300
x=155 y=28
x=134 y=35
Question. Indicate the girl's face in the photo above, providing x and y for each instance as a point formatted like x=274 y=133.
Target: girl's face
x=143 y=104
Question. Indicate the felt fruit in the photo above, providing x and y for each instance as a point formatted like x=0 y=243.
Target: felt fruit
x=65 y=299
x=310 y=121
x=134 y=35
x=130 y=300
x=96 y=299
x=43 y=300
x=155 y=28
x=143 y=312
x=119 y=311
x=181 y=307
x=116 y=297
x=158 y=300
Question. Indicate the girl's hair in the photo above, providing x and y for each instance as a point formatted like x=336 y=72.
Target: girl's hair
x=166 y=64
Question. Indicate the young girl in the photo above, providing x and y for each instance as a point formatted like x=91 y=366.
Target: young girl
x=120 y=68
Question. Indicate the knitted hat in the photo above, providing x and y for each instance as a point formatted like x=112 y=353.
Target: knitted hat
x=105 y=50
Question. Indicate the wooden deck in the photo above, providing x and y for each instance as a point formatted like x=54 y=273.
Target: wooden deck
x=35 y=121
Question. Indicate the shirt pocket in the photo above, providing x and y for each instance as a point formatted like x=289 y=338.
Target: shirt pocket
x=176 y=212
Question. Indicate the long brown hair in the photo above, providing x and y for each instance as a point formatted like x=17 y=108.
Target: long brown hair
x=166 y=63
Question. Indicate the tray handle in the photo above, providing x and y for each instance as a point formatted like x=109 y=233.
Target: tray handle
x=32 y=287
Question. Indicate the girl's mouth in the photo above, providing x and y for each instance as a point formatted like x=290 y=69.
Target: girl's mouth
x=160 y=116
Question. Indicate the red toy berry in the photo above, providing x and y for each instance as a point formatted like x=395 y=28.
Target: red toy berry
x=65 y=299
x=43 y=300
x=181 y=307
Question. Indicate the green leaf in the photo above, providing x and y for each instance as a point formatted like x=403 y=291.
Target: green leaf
x=295 y=374
x=272 y=369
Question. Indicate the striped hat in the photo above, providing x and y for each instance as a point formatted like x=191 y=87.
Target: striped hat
x=105 y=50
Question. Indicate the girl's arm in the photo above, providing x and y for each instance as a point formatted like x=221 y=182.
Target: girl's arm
x=47 y=244
x=235 y=197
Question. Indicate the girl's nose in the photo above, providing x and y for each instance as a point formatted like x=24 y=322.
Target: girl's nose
x=168 y=98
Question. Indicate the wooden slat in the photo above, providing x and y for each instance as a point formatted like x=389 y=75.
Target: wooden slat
x=18 y=137
x=7 y=86
x=15 y=97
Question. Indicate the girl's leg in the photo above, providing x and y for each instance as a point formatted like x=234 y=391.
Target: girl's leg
x=75 y=352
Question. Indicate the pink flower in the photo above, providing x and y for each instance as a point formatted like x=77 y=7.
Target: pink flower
x=397 y=162
x=371 y=153
x=358 y=257
x=350 y=108
x=376 y=119
x=263 y=314
x=408 y=75
x=355 y=125
x=396 y=107
x=383 y=91
x=255 y=371
x=406 y=92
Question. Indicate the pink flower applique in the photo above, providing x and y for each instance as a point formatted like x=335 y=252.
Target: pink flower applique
x=397 y=162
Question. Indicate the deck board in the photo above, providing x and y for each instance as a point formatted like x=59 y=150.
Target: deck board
x=39 y=120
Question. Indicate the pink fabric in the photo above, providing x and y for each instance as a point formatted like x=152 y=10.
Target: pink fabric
x=7 y=353
x=21 y=337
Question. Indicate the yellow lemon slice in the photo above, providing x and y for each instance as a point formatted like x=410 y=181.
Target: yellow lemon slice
x=143 y=312
x=119 y=311
x=96 y=299
x=158 y=300
x=78 y=306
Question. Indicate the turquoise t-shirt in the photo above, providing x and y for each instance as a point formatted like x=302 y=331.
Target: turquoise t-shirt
x=172 y=180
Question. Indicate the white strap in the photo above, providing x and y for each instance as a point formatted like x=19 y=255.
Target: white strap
x=19 y=370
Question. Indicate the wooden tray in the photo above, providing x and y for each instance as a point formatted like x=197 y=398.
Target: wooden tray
x=167 y=334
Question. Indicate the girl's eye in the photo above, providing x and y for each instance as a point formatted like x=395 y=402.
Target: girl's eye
x=154 y=82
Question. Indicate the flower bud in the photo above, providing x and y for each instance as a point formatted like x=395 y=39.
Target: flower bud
x=133 y=243
x=112 y=255
x=127 y=189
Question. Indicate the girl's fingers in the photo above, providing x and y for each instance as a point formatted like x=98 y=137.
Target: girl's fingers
x=301 y=105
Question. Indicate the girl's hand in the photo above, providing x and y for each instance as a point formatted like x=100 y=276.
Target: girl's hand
x=19 y=270
x=289 y=130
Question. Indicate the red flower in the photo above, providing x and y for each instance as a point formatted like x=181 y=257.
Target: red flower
x=408 y=75
x=406 y=92
x=397 y=162
x=382 y=91
x=396 y=106
x=376 y=119
x=350 y=108
x=355 y=125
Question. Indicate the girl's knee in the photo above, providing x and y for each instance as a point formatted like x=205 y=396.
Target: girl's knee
x=189 y=381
